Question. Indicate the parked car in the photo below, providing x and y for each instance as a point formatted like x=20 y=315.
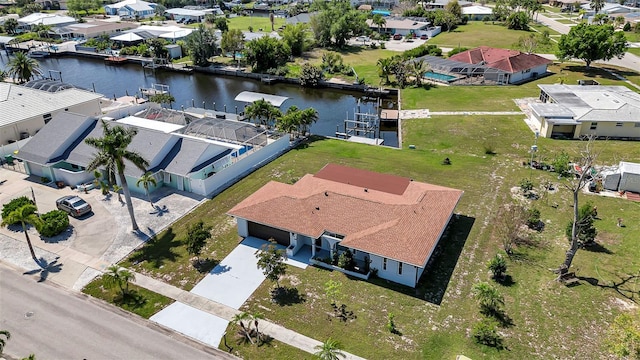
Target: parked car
x=180 y=21
x=424 y=37
x=397 y=37
x=73 y=205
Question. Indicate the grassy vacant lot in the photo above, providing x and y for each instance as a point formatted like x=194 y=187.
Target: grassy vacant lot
x=140 y=300
x=499 y=98
x=243 y=23
x=478 y=33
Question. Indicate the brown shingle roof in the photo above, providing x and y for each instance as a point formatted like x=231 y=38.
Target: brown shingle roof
x=404 y=227
x=511 y=61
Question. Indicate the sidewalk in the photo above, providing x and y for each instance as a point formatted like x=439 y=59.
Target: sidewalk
x=277 y=332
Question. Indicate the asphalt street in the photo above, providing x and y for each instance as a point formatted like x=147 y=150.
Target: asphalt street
x=55 y=324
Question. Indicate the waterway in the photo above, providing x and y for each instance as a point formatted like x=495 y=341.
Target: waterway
x=333 y=106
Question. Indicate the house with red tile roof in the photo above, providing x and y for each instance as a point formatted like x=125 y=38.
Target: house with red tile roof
x=387 y=222
x=516 y=65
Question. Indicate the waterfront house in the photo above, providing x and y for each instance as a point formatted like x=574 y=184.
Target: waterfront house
x=131 y=9
x=572 y=111
x=52 y=20
x=388 y=223
x=515 y=66
x=404 y=27
x=199 y=157
x=25 y=109
x=477 y=12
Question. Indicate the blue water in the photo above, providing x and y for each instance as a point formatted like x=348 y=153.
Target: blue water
x=381 y=12
x=439 y=76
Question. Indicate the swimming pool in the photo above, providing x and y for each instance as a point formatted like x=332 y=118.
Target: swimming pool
x=439 y=77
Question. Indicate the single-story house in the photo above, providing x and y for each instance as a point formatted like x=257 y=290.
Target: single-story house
x=477 y=12
x=389 y=223
x=197 y=15
x=609 y=9
x=516 y=65
x=632 y=18
x=92 y=29
x=189 y=157
x=25 y=109
x=53 y=20
x=571 y=4
x=405 y=26
x=441 y=4
x=131 y=9
x=572 y=111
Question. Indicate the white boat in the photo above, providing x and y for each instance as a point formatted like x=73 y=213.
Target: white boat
x=38 y=54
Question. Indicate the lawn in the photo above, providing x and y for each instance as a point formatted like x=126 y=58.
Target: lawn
x=634 y=51
x=632 y=36
x=255 y=22
x=139 y=300
x=499 y=98
x=268 y=349
x=565 y=21
x=551 y=9
x=478 y=33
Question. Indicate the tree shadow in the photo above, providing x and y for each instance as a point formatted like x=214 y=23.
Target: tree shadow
x=159 y=211
x=597 y=248
x=499 y=315
x=591 y=72
x=341 y=313
x=46 y=268
x=131 y=299
x=220 y=269
x=287 y=296
x=308 y=141
x=205 y=265
x=65 y=235
x=158 y=250
x=506 y=280
x=624 y=287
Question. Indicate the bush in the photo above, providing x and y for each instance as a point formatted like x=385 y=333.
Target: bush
x=15 y=204
x=561 y=164
x=526 y=185
x=456 y=50
x=383 y=46
x=279 y=71
x=533 y=218
x=310 y=75
x=627 y=27
x=422 y=50
x=485 y=332
x=53 y=223
x=498 y=266
x=345 y=260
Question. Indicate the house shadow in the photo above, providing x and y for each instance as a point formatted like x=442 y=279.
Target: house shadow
x=46 y=268
x=65 y=235
x=437 y=274
x=158 y=249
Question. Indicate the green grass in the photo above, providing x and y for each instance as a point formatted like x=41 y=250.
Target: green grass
x=632 y=36
x=552 y=9
x=565 y=21
x=541 y=28
x=634 y=51
x=244 y=22
x=140 y=300
x=498 y=98
x=476 y=34
x=268 y=349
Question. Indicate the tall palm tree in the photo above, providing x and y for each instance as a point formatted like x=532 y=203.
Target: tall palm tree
x=118 y=277
x=379 y=21
x=3 y=342
x=239 y=319
x=22 y=68
x=596 y=5
x=112 y=151
x=329 y=350
x=25 y=215
x=146 y=180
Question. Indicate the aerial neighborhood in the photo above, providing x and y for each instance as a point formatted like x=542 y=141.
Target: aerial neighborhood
x=301 y=179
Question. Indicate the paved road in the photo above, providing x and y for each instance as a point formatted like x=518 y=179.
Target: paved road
x=55 y=324
x=629 y=61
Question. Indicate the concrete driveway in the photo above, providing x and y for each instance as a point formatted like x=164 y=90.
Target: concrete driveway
x=94 y=241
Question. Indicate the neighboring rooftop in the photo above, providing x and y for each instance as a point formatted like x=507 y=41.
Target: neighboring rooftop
x=139 y=122
x=250 y=96
x=381 y=218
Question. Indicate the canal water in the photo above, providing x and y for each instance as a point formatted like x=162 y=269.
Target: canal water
x=333 y=106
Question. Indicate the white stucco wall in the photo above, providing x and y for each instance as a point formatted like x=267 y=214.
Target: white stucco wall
x=408 y=276
x=609 y=128
x=243 y=227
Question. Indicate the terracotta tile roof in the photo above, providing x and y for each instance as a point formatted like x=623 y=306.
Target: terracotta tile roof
x=404 y=227
x=511 y=61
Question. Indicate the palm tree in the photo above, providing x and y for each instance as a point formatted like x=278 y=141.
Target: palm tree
x=263 y=111
x=10 y=25
x=385 y=67
x=379 y=21
x=329 y=350
x=289 y=122
x=255 y=317
x=596 y=5
x=239 y=319
x=112 y=151
x=25 y=215
x=418 y=68
x=22 y=68
x=146 y=180
x=488 y=297
x=118 y=277
x=307 y=118
x=3 y=342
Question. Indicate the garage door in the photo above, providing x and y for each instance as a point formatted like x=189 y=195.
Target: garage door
x=265 y=232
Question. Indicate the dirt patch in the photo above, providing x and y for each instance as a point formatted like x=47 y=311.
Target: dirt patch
x=623 y=305
x=609 y=238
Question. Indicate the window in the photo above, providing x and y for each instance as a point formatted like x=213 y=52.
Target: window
x=618 y=124
x=399 y=268
x=384 y=264
x=594 y=125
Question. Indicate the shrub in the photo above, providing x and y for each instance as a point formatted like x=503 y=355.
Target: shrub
x=391 y=325
x=383 y=46
x=15 y=204
x=526 y=185
x=627 y=27
x=456 y=50
x=498 y=266
x=53 y=223
x=485 y=332
x=422 y=50
x=533 y=218
x=310 y=75
x=561 y=164
x=345 y=260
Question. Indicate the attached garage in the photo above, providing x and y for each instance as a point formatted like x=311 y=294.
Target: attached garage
x=266 y=232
